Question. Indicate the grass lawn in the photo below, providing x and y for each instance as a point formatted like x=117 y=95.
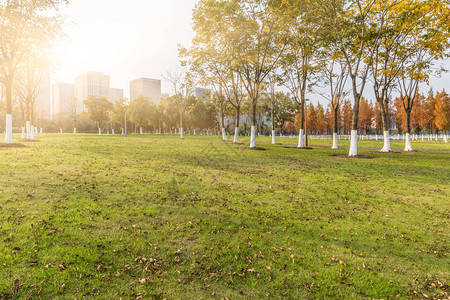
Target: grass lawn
x=159 y=217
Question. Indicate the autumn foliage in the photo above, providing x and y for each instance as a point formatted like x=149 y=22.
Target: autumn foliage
x=430 y=114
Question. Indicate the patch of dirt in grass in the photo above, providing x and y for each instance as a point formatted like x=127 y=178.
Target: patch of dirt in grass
x=390 y=152
x=300 y=148
x=354 y=157
x=231 y=142
x=254 y=148
x=14 y=145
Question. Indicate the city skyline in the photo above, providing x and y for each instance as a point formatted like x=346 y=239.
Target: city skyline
x=126 y=42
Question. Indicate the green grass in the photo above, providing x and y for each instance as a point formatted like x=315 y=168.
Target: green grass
x=160 y=217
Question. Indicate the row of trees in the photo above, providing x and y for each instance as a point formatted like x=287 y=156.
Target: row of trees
x=143 y=114
x=27 y=29
x=430 y=114
x=245 y=47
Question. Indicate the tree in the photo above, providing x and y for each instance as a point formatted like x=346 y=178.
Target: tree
x=355 y=27
x=347 y=116
x=24 y=26
x=442 y=113
x=118 y=112
x=335 y=73
x=140 y=112
x=386 y=64
x=182 y=85
x=365 y=115
x=301 y=49
x=98 y=110
x=250 y=33
x=168 y=107
x=427 y=42
x=27 y=84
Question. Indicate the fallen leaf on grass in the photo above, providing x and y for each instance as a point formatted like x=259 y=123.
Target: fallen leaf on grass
x=184 y=280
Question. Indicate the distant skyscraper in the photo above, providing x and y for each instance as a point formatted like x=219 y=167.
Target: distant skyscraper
x=63 y=99
x=202 y=93
x=91 y=84
x=115 y=94
x=146 y=87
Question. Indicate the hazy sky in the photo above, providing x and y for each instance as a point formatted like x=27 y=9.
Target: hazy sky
x=136 y=38
x=124 y=39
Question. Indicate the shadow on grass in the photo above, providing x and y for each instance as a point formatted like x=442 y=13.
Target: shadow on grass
x=13 y=145
x=352 y=157
x=300 y=148
x=254 y=148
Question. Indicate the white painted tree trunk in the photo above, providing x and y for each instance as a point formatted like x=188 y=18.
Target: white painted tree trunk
x=112 y=131
x=376 y=137
x=353 y=143
x=436 y=137
x=236 y=135
x=99 y=131
x=335 y=141
x=181 y=133
x=75 y=131
x=40 y=131
x=224 y=135
x=28 y=126
x=23 y=133
x=300 y=139
x=408 y=143
x=175 y=131
x=60 y=130
x=207 y=132
x=253 y=137
x=8 y=133
x=140 y=130
x=32 y=132
x=445 y=138
x=122 y=131
x=422 y=136
x=195 y=133
x=273 y=137
x=387 y=142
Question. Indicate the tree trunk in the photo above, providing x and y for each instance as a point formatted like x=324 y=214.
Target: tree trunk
x=181 y=125
x=302 y=124
x=335 y=127
x=354 y=133
x=236 y=127
x=8 y=133
x=408 y=146
x=385 y=119
x=254 y=124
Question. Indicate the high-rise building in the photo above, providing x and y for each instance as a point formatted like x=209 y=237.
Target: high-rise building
x=115 y=94
x=64 y=100
x=146 y=87
x=91 y=84
x=202 y=93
